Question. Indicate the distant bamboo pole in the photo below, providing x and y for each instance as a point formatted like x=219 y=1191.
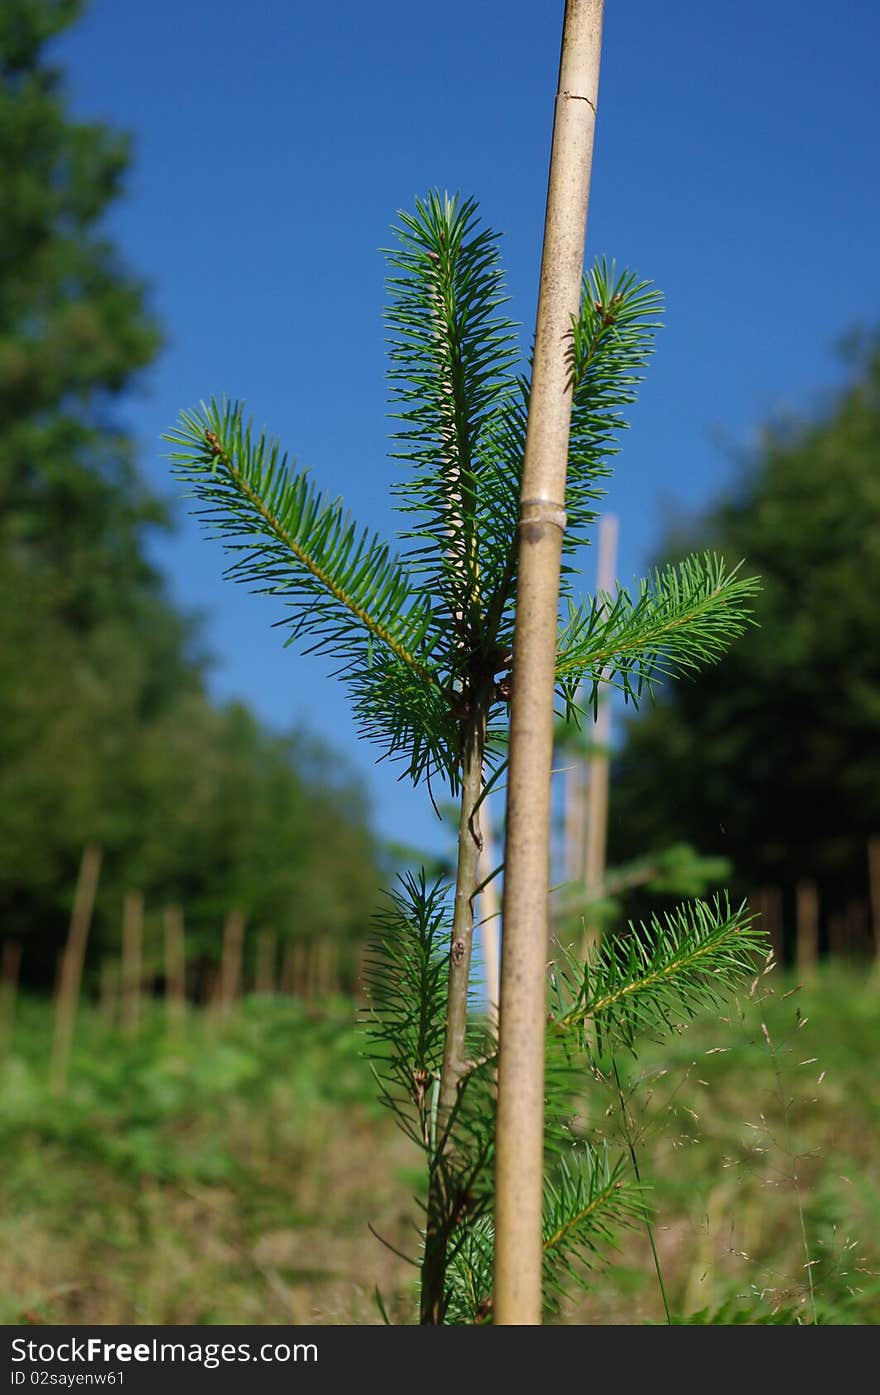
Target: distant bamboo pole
x=768 y=902
x=839 y=935
x=807 y=919
x=211 y=994
x=288 y=969
x=874 y=882
x=319 y=967
x=175 y=968
x=856 y=926
x=490 y=924
x=599 y=762
x=230 y=967
x=264 y=980
x=132 y=961
x=525 y=928
x=312 y=974
x=10 y=964
x=574 y=817
x=332 y=968
x=71 y=966
x=361 y=968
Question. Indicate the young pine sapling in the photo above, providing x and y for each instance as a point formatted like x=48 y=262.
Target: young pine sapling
x=423 y=639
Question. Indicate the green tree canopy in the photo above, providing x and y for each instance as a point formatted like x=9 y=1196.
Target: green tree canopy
x=772 y=757
x=106 y=731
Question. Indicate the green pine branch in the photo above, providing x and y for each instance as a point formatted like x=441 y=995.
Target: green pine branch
x=296 y=544
x=450 y=360
x=346 y=593
x=686 y=615
x=612 y=341
x=406 y=974
x=587 y=1203
x=642 y=982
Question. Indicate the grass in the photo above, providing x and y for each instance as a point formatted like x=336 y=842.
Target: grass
x=230 y=1176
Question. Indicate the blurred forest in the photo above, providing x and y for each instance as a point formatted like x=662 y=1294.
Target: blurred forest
x=772 y=758
x=107 y=733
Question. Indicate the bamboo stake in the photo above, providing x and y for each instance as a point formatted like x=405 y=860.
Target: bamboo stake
x=769 y=904
x=310 y=989
x=132 y=961
x=299 y=980
x=288 y=969
x=71 y=967
x=175 y=968
x=840 y=937
x=361 y=963
x=332 y=986
x=264 y=981
x=874 y=882
x=319 y=968
x=491 y=913
x=599 y=763
x=575 y=818
x=519 y=1138
x=857 y=934
x=10 y=963
x=807 y=926
x=230 y=968
x=212 y=989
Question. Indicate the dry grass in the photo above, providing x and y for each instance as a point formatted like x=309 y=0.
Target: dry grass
x=232 y=1177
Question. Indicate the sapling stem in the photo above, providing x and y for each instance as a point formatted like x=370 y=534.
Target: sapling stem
x=440 y=1204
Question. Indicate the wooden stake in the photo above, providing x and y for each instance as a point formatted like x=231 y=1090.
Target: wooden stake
x=175 y=968
x=768 y=903
x=230 y=969
x=132 y=961
x=288 y=969
x=525 y=929
x=599 y=762
x=311 y=975
x=10 y=963
x=807 y=926
x=490 y=925
x=71 y=967
x=839 y=936
x=857 y=933
x=874 y=882
x=212 y=988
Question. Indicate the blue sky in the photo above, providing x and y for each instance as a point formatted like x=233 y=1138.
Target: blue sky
x=735 y=166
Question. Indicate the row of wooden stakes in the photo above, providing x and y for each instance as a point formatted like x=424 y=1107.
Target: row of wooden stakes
x=308 y=969
x=312 y=969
